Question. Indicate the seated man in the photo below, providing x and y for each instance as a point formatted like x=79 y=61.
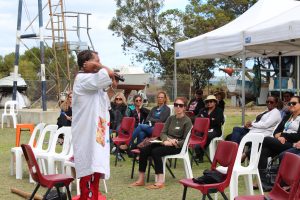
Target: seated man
x=264 y=122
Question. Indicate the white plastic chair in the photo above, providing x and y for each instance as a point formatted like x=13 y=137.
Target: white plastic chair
x=51 y=155
x=184 y=154
x=48 y=130
x=214 y=142
x=16 y=152
x=10 y=109
x=256 y=140
x=67 y=170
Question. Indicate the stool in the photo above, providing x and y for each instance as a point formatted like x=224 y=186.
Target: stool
x=20 y=128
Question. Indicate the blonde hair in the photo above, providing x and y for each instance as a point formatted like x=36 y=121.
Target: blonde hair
x=121 y=95
x=65 y=105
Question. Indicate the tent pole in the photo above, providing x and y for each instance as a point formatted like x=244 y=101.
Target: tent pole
x=280 y=75
x=243 y=86
x=175 y=75
x=297 y=77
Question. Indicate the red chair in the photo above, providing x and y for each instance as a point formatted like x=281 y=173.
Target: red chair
x=136 y=152
x=124 y=135
x=199 y=136
x=289 y=174
x=225 y=156
x=48 y=181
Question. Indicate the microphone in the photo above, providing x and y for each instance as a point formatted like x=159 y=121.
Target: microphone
x=118 y=77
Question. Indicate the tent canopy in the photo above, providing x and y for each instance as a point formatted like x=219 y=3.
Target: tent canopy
x=274 y=22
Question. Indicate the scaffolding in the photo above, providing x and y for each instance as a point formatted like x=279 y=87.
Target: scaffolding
x=62 y=25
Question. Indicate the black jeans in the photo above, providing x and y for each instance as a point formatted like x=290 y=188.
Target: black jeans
x=156 y=151
x=271 y=147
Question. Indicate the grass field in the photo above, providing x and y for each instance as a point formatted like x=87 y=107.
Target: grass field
x=120 y=175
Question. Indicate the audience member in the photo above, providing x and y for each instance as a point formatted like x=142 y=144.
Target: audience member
x=215 y=114
x=285 y=135
x=65 y=117
x=196 y=104
x=137 y=110
x=220 y=97
x=264 y=122
x=117 y=111
x=172 y=138
x=159 y=113
x=285 y=100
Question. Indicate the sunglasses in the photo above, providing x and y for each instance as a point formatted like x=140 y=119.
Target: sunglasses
x=270 y=102
x=209 y=101
x=292 y=103
x=138 y=100
x=180 y=105
x=118 y=99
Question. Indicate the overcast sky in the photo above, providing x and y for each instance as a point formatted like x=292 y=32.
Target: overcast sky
x=108 y=46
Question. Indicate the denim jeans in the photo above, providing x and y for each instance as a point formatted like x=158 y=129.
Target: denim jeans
x=238 y=133
x=141 y=132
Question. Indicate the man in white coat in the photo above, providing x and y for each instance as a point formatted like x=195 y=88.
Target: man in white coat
x=90 y=123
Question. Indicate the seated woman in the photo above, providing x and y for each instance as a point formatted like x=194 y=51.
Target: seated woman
x=159 y=113
x=117 y=111
x=137 y=110
x=173 y=135
x=286 y=133
x=65 y=117
x=264 y=122
x=215 y=114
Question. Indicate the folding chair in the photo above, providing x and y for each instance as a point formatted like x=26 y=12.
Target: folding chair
x=136 y=152
x=199 y=136
x=225 y=156
x=124 y=135
x=48 y=181
x=286 y=183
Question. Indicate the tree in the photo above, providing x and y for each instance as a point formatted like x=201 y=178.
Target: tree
x=148 y=33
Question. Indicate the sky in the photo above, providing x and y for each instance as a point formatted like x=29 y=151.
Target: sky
x=108 y=46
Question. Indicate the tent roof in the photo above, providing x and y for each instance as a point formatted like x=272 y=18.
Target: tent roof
x=228 y=40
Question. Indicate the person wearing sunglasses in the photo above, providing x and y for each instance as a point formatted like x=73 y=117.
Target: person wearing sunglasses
x=159 y=113
x=172 y=138
x=117 y=111
x=137 y=110
x=264 y=123
x=285 y=135
x=215 y=114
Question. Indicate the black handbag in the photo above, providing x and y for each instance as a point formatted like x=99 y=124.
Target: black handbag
x=268 y=175
x=209 y=177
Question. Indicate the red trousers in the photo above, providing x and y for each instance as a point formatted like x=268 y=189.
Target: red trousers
x=89 y=187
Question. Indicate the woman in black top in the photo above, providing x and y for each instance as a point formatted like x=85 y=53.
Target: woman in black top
x=215 y=114
x=285 y=135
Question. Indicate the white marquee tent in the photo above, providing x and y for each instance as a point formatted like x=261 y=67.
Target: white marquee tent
x=267 y=28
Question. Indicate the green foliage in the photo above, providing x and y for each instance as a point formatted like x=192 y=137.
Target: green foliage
x=148 y=33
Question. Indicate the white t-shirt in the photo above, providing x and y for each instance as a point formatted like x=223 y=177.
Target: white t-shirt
x=90 y=118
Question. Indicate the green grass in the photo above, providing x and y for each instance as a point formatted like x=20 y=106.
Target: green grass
x=120 y=175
